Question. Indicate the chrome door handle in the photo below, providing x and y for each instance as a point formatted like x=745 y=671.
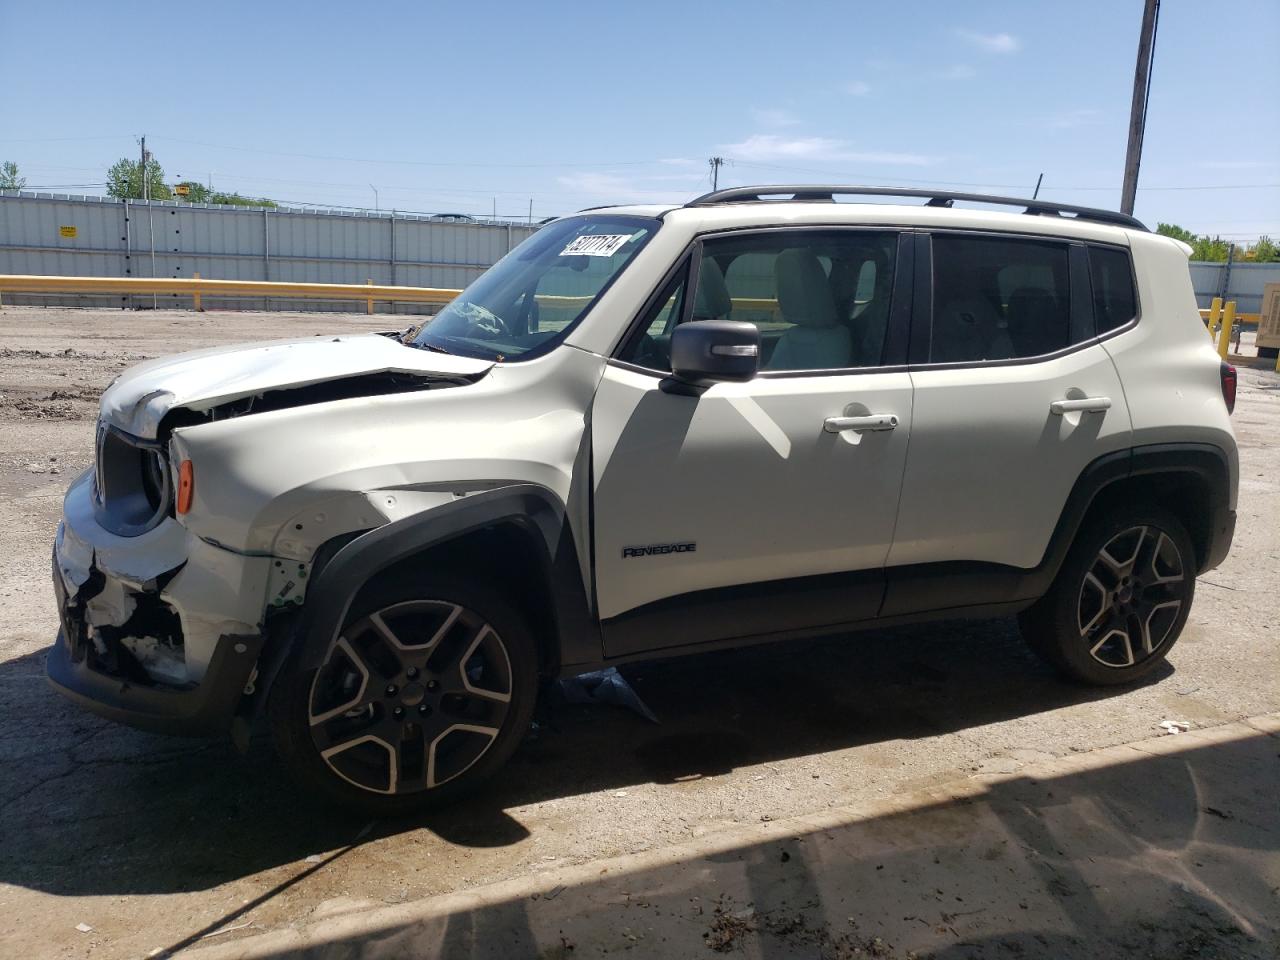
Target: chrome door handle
x=1085 y=404
x=874 y=421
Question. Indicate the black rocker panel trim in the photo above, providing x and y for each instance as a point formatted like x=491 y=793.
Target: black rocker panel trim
x=744 y=610
x=529 y=507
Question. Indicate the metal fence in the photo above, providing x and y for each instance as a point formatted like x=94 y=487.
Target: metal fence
x=1244 y=283
x=53 y=234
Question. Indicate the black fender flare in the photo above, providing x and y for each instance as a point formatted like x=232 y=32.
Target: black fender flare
x=532 y=508
x=1205 y=461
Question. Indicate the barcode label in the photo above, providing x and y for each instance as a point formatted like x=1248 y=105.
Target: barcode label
x=602 y=245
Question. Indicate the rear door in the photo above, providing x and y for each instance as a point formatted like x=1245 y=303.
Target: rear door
x=1014 y=397
x=740 y=510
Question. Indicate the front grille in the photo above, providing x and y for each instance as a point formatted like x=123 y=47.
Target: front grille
x=132 y=487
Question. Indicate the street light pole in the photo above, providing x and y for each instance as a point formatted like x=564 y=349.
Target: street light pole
x=1138 y=108
x=375 y=197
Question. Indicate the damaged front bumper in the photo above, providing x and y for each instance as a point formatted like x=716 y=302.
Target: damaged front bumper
x=161 y=631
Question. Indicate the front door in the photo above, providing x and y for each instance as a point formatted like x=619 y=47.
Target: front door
x=753 y=508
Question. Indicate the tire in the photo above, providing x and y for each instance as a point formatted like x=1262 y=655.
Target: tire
x=1111 y=618
x=425 y=694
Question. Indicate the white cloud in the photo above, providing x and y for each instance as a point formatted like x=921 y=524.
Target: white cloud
x=763 y=147
x=1082 y=117
x=991 y=42
x=772 y=117
x=858 y=88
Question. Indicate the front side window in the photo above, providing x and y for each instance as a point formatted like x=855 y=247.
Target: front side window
x=819 y=298
x=997 y=298
x=528 y=300
x=1114 y=302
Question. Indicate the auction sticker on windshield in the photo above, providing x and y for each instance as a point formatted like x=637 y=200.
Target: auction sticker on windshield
x=602 y=245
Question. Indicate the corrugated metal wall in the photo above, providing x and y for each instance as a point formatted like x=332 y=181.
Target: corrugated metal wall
x=1245 y=282
x=114 y=239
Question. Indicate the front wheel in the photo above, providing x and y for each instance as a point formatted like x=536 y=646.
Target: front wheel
x=1120 y=600
x=425 y=692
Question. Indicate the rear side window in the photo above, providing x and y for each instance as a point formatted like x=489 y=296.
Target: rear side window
x=998 y=298
x=1114 y=300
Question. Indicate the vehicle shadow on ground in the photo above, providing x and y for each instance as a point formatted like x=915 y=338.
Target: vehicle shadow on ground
x=93 y=808
x=1159 y=853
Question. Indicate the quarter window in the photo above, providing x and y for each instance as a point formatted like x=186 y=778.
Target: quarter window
x=997 y=298
x=1114 y=301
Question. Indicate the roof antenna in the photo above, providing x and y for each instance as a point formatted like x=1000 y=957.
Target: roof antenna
x=1039 y=180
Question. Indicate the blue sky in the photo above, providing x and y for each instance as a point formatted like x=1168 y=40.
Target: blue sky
x=453 y=106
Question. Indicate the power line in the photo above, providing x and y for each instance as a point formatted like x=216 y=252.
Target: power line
x=416 y=163
x=960 y=183
x=120 y=136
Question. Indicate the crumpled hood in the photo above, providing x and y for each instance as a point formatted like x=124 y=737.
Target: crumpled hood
x=140 y=397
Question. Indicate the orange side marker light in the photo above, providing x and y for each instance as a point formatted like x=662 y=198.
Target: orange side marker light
x=186 y=486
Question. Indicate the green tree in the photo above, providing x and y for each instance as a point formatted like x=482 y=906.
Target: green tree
x=1177 y=232
x=237 y=200
x=1213 y=249
x=124 y=180
x=199 y=193
x=1265 y=251
x=9 y=179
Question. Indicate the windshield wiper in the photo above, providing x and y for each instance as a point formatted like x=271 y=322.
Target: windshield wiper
x=432 y=347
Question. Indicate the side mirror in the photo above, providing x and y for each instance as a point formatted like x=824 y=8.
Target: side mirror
x=706 y=351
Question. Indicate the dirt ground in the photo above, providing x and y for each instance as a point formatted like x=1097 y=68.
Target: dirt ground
x=155 y=843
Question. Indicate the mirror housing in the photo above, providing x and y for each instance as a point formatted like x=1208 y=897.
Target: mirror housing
x=707 y=351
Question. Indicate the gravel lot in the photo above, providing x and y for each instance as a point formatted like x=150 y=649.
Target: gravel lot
x=151 y=841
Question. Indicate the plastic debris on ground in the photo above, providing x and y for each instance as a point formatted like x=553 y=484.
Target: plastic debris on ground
x=605 y=686
x=1175 y=726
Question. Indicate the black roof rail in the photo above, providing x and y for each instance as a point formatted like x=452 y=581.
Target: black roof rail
x=935 y=198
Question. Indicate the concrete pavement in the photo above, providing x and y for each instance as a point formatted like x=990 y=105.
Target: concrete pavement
x=1167 y=847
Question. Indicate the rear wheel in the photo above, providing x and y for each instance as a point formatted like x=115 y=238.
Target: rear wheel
x=424 y=694
x=1120 y=600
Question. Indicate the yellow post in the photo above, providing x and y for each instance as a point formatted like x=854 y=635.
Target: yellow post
x=369 y=302
x=1224 y=335
x=195 y=296
x=1215 y=314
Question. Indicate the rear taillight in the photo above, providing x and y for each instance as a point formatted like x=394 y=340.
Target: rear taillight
x=1228 y=373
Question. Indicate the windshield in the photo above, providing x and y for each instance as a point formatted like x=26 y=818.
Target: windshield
x=530 y=298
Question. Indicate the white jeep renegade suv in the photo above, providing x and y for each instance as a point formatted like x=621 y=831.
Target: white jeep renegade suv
x=649 y=431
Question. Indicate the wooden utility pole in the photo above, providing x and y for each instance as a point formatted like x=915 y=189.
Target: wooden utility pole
x=716 y=164
x=1138 y=109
